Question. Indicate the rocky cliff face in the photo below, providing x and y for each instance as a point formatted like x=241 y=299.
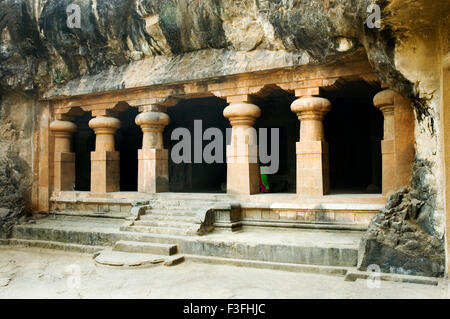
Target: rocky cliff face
x=17 y=120
x=39 y=50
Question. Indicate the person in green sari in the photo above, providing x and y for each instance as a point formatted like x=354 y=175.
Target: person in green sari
x=264 y=184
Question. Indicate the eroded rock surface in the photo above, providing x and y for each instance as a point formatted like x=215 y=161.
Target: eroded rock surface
x=38 y=49
x=401 y=238
x=11 y=199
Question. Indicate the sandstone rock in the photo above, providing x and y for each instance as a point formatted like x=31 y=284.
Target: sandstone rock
x=11 y=200
x=396 y=241
x=39 y=49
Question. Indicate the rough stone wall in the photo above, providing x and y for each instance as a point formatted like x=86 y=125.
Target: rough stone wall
x=17 y=117
x=39 y=50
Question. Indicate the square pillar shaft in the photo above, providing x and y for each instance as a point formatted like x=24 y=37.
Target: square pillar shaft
x=64 y=170
x=105 y=171
x=242 y=169
x=153 y=170
x=312 y=168
x=389 y=176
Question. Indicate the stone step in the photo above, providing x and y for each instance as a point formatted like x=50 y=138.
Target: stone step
x=83 y=230
x=83 y=213
x=184 y=205
x=170 y=224
x=291 y=246
x=304 y=268
x=51 y=245
x=156 y=230
x=173 y=212
x=146 y=248
x=163 y=217
x=127 y=259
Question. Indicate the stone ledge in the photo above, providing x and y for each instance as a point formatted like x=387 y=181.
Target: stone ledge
x=51 y=245
x=324 y=206
x=300 y=225
x=355 y=275
x=160 y=70
x=316 y=269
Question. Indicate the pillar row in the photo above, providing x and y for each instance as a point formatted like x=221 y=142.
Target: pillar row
x=105 y=161
x=64 y=170
x=153 y=165
x=242 y=154
x=312 y=150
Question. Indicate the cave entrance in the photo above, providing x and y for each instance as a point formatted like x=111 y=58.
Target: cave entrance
x=191 y=176
x=128 y=140
x=83 y=141
x=354 y=130
x=276 y=116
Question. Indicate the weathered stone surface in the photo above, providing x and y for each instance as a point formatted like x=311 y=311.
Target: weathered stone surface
x=124 y=259
x=39 y=49
x=11 y=200
x=400 y=240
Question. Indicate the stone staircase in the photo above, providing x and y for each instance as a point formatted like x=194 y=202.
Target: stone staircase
x=307 y=250
x=132 y=231
x=176 y=217
x=160 y=217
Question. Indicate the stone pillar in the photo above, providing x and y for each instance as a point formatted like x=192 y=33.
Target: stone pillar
x=153 y=165
x=242 y=153
x=312 y=150
x=64 y=169
x=105 y=161
x=397 y=147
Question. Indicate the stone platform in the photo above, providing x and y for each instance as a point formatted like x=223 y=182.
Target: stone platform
x=338 y=211
x=297 y=246
x=276 y=231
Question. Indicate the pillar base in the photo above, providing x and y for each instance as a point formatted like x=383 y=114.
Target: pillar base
x=389 y=174
x=64 y=171
x=153 y=170
x=105 y=171
x=242 y=169
x=312 y=168
x=243 y=178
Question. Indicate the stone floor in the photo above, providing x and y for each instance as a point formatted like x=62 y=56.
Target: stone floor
x=43 y=273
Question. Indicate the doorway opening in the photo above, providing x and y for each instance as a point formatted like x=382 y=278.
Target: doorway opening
x=128 y=140
x=83 y=141
x=354 y=130
x=197 y=177
x=276 y=114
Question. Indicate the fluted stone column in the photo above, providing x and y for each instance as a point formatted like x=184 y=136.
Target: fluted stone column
x=64 y=170
x=312 y=150
x=153 y=165
x=397 y=147
x=105 y=161
x=242 y=153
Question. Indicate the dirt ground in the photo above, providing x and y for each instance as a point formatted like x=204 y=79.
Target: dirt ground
x=44 y=273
